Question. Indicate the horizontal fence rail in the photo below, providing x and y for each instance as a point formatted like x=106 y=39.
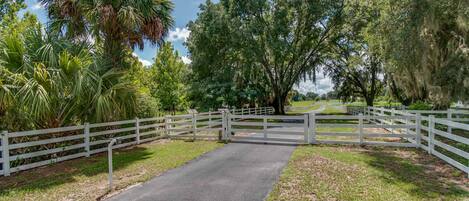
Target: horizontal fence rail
x=443 y=133
x=307 y=129
x=29 y=149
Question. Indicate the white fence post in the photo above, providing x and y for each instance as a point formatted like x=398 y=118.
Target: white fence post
x=312 y=127
x=5 y=154
x=194 y=125
x=382 y=114
x=393 y=113
x=167 y=120
x=431 y=134
x=224 y=120
x=87 y=139
x=109 y=157
x=223 y=124
x=306 y=127
x=449 y=117
x=360 y=127
x=228 y=125
x=418 y=125
x=137 y=130
x=209 y=119
x=264 y=124
x=407 y=122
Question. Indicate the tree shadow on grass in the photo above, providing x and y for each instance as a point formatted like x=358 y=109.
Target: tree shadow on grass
x=66 y=172
x=428 y=178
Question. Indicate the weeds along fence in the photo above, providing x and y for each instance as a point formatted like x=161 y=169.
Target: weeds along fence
x=29 y=149
x=444 y=133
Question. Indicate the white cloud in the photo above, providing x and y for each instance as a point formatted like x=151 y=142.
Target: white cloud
x=322 y=85
x=186 y=60
x=143 y=61
x=179 y=34
x=37 y=6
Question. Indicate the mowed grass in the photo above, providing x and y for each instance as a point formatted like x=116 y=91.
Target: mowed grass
x=304 y=107
x=369 y=173
x=86 y=178
x=302 y=103
x=333 y=107
x=376 y=104
x=303 y=110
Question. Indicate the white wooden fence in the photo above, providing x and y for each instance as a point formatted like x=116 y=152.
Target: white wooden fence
x=29 y=149
x=438 y=133
x=442 y=132
x=308 y=128
x=442 y=137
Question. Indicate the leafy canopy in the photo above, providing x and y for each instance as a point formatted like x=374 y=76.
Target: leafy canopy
x=283 y=41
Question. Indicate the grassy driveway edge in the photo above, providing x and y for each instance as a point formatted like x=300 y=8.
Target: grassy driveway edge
x=86 y=178
x=369 y=173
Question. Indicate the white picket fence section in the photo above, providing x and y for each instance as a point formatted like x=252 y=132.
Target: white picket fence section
x=29 y=149
x=441 y=132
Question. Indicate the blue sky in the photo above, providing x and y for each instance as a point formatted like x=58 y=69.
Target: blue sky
x=184 y=11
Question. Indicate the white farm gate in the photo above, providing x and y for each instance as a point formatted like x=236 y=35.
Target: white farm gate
x=315 y=129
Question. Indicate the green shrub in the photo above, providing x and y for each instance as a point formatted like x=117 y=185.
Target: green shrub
x=419 y=105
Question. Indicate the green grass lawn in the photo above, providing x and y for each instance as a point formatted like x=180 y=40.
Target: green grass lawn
x=370 y=173
x=303 y=107
x=333 y=109
x=86 y=178
x=303 y=103
x=376 y=104
x=300 y=111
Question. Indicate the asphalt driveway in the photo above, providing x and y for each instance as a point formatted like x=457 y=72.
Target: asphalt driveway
x=237 y=172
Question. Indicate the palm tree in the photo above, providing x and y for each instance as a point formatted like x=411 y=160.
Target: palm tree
x=47 y=81
x=118 y=24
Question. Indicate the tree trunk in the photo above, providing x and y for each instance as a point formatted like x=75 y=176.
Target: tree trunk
x=113 y=52
x=369 y=101
x=279 y=104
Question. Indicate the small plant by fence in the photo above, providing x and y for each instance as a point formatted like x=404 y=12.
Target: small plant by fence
x=29 y=149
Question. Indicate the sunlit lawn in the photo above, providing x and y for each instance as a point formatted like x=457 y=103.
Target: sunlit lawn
x=376 y=104
x=86 y=178
x=303 y=103
x=373 y=173
x=333 y=109
x=304 y=106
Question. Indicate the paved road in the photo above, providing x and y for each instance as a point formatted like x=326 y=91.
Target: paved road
x=237 y=172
